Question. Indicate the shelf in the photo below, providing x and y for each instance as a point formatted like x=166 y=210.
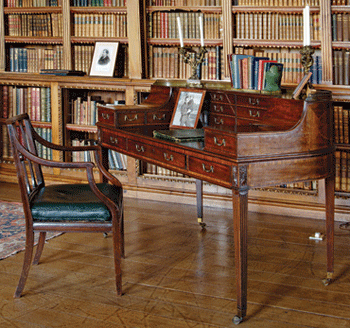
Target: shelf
x=34 y=39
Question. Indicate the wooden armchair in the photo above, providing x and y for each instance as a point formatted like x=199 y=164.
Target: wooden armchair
x=89 y=207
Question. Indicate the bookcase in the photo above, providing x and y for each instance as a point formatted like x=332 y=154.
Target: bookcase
x=64 y=36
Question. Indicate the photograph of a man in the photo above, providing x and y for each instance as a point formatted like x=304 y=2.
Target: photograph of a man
x=104 y=58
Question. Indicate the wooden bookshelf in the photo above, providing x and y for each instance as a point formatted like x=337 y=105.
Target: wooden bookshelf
x=140 y=41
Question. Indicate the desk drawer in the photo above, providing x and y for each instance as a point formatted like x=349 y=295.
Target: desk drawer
x=217 y=108
x=106 y=116
x=158 y=117
x=132 y=118
x=252 y=101
x=255 y=114
x=221 y=120
x=112 y=140
x=210 y=169
x=170 y=157
x=218 y=142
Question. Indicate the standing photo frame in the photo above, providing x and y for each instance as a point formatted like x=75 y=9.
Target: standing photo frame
x=104 y=59
x=187 y=109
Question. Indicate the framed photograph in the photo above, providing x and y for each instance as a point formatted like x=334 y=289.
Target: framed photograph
x=301 y=85
x=187 y=109
x=103 y=61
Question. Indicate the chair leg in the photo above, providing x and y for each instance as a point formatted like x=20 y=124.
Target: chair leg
x=40 y=247
x=28 y=254
x=122 y=240
x=116 y=233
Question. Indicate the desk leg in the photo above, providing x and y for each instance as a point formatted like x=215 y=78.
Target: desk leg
x=240 y=216
x=329 y=229
x=199 y=193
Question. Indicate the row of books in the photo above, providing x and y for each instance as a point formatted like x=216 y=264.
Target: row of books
x=341 y=124
x=108 y=25
x=84 y=111
x=99 y=3
x=163 y=24
x=35 y=25
x=278 y=3
x=181 y=3
x=275 y=26
x=33 y=3
x=166 y=62
x=157 y=170
x=117 y=161
x=292 y=68
x=36 y=101
x=32 y=60
x=340 y=27
x=342 y=171
x=250 y=72
x=83 y=57
x=341 y=65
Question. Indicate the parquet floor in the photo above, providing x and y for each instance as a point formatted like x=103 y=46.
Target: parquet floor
x=176 y=275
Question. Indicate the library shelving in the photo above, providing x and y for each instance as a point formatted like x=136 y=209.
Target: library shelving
x=148 y=50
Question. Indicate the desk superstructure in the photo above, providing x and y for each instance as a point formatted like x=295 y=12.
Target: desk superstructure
x=250 y=140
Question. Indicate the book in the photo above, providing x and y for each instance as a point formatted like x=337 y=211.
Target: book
x=180 y=135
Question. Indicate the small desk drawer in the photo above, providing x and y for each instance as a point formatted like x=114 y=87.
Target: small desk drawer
x=218 y=142
x=252 y=101
x=221 y=120
x=170 y=157
x=217 y=108
x=106 y=116
x=158 y=117
x=210 y=169
x=255 y=114
x=112 y=140
x=130 y=118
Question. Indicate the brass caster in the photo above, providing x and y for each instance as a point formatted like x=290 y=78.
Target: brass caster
x=326 y=281
x=203 y=225
x=105 y=234
x=237 y=320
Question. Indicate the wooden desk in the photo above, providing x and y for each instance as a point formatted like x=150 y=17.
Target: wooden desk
x=251 y=140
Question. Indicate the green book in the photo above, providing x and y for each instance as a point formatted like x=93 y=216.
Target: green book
x=180 y=135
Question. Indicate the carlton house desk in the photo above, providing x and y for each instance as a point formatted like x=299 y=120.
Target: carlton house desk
x=250 y=140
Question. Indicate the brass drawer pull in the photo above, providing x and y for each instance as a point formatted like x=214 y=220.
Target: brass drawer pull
x=127 y=119
x=218 y=121
x=140 y=149
x=168 y=158
x=156 y=118
x=210 y=170
x=220 y=144
x=218 y=97
x=113 y=140
x=256 y=114
x=253 y=101
x=105 y=116
x=218 y=109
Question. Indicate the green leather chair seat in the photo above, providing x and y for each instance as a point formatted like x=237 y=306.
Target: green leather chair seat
x=73 y=202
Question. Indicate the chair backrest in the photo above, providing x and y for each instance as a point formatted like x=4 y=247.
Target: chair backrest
x=22 y=138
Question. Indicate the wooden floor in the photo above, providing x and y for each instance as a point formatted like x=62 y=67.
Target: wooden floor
x=176 y=275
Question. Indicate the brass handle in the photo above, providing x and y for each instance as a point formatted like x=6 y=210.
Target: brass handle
x=168 y=158
x=140 y=149
x=126 y=118
x=222 y=143
x=210 y=170
x=257 y=113
x=216 y=121
x=218 y=97
x=156 y=118
x=105 y=116
x=219 y=109
x=253 y=101
x=113 y=140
